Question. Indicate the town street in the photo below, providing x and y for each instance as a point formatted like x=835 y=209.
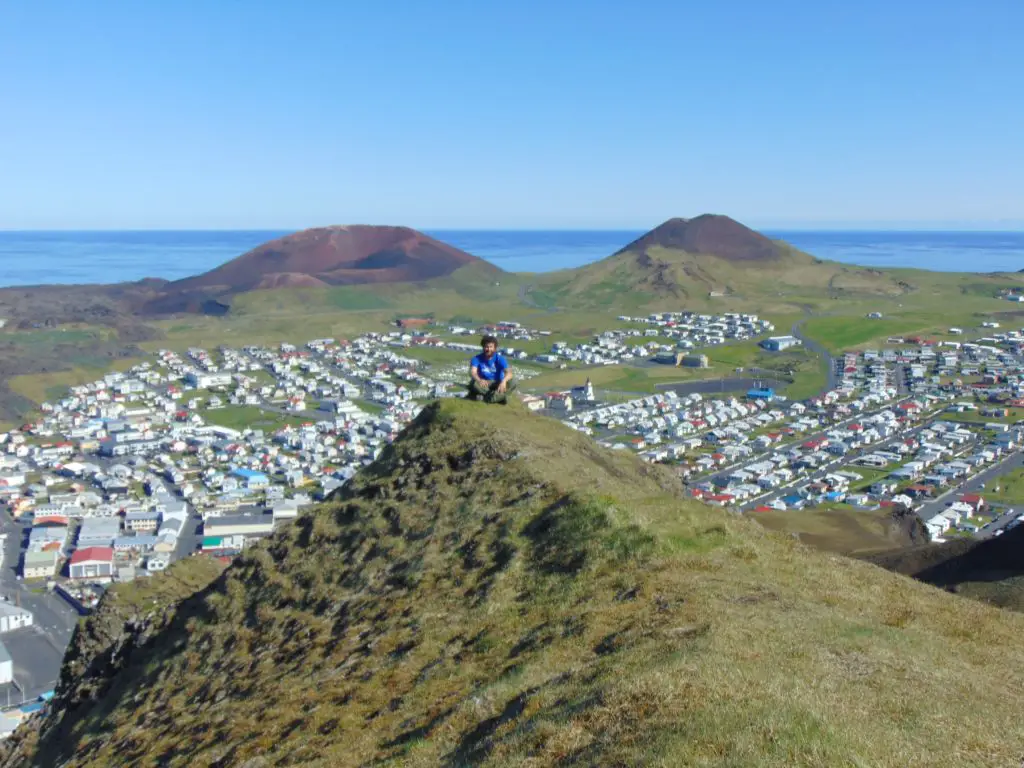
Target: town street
x=974 y=485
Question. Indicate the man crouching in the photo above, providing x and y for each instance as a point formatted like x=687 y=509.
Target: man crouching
x=491 y=378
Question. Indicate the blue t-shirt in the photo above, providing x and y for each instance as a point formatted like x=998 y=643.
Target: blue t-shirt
x=490 y=370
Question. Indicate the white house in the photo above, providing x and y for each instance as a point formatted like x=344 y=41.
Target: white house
x=13 y=617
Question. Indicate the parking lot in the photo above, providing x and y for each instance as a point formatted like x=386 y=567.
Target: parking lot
x=36 y=664
x=36 y=651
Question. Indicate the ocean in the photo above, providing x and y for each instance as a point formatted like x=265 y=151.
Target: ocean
x=31 y=258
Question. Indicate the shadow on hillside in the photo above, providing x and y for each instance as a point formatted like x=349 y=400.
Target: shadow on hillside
x=956 y=563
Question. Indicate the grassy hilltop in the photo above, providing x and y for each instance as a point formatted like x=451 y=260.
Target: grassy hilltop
x=498 y=590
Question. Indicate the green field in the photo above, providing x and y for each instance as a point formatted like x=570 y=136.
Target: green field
x=1011 y=489
x=66 y=335
x=845 y=332
x=616 y=378
x=870 y=476
x=805 y=369
x=241 y=416
x=41 y=387
x=974 y=417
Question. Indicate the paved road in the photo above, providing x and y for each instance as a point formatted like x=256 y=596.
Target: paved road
x=832 y=379
x=36 y=666
x=51 y=612
x=36 y=651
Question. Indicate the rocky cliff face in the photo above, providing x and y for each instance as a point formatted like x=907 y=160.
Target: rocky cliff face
x=119 y=633
x=498 y=590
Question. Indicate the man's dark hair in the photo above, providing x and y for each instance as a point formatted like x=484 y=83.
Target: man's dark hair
x=488 y=340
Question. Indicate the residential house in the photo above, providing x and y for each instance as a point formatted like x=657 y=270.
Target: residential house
x=142 y=522
x=39 y=564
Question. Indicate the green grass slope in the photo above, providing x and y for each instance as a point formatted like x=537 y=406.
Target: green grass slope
x=497 y=590
x=662 y=276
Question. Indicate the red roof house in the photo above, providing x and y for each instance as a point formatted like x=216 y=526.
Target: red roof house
x=974 y=499
x=92 y=563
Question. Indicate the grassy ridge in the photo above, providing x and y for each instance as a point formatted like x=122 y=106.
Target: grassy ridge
x=497 y=590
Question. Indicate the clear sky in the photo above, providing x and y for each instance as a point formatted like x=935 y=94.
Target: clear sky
x=546 y=114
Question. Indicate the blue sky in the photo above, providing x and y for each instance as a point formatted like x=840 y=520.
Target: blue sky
x=468 y=114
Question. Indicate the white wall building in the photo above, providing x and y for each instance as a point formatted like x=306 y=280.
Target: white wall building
x=6 y=666
x=13 y=617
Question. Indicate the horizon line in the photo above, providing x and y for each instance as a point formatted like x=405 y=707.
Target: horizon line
x=1019 y=228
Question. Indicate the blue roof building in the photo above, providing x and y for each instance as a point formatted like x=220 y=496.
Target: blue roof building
x=251 y=478
x=761 y=393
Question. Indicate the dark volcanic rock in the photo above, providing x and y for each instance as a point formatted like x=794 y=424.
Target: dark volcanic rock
x=333 y=256
x=709 y=234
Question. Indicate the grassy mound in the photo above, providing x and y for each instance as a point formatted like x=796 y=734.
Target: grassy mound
x=497 y=590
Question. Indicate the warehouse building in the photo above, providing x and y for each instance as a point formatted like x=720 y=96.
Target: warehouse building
x=92 y=563
x=239 y=525
x=780 y=343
